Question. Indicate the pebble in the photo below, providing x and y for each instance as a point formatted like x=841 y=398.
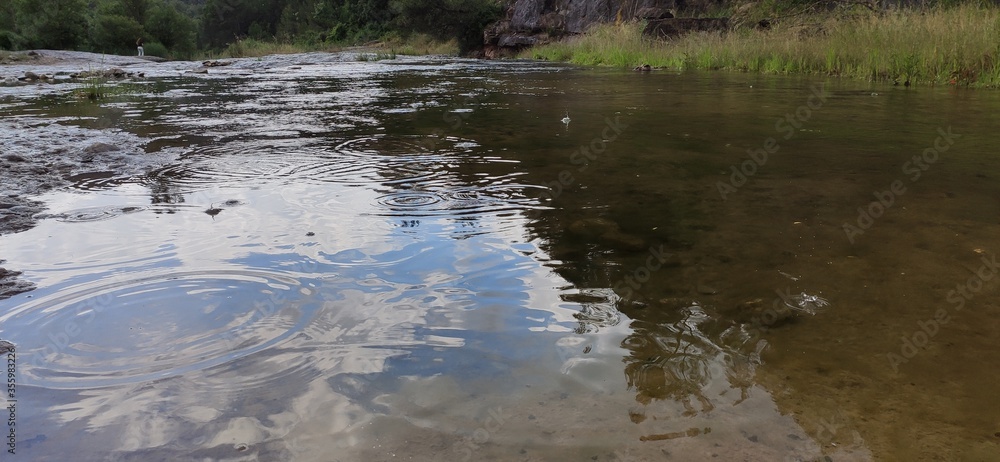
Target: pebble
x=705 y=289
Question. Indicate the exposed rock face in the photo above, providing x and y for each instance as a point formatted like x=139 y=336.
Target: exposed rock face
x=534 y=22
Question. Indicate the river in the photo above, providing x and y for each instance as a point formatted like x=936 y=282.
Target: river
x=314 y=257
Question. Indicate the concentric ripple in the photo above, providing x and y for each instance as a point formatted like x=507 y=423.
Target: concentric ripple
x=93 y=213
x=358 y=162
x=157 y=326
x=406 y=200
x=460 y=201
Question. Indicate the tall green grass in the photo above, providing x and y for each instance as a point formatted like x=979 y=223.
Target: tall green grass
x=958 y=45
x=376 y=56
x=388 y=48
x=253 y=48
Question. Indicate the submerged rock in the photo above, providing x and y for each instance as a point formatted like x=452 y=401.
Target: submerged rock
x=706 y=289
x=620 y=240
x=593 y=227
x=607 y=232
x=214 y=210
x=98 y=148
x=761 y=314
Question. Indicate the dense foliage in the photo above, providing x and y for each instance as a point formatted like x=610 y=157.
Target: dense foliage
x=178 y=28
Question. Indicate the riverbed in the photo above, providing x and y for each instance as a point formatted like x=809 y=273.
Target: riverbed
x=317 y=257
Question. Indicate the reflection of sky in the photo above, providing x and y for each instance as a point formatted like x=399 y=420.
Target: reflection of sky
x=367 y=317
x=310 y=314
x=368 y=288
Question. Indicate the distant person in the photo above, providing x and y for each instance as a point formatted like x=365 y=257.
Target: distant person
x=138 y=44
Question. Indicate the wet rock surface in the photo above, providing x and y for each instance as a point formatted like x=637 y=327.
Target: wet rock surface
x=17 y=213
x=40 y=154
x=10 y=285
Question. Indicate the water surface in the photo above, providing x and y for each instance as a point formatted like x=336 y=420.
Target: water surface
x=323 y=259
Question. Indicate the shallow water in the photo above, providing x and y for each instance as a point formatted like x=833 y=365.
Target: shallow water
x=323 y=259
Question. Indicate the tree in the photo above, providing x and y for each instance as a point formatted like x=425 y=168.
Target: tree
x=225 y=20
x=464 y=20
x=9 y=39
x=165 y=24
x=59 y=24
x=115 y=33
x=135 y=9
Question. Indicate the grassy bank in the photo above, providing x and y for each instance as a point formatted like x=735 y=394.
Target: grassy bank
x=416 y=44
x=252 y=48
x=959 y=45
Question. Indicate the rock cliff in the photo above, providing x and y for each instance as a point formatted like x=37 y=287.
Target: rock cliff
x=532 y=22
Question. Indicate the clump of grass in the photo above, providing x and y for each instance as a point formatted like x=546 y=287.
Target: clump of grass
x=376 y=56
x=388 y=48
x=421 y=44
x=94 y=88
x=96 y=85
x=955 y=45
x=253 y=48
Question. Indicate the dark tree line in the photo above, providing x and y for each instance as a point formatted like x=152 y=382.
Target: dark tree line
x=110 y=26
x=180 y=27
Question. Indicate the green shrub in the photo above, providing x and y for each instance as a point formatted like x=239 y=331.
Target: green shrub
x=116 y=34
x=156 y=49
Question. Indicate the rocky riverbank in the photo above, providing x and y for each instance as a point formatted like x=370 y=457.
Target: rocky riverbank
x=40 y=154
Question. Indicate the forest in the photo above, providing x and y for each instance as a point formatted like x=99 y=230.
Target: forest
x=184 y=28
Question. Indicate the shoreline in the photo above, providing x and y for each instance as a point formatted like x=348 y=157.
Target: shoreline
x=942 y=46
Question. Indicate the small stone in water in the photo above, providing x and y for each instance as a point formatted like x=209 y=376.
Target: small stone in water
x=705 y=289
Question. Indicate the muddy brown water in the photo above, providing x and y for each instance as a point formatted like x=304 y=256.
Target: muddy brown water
x=308 y=257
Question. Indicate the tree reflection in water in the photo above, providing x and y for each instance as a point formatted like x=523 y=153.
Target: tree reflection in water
x=689 y=360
